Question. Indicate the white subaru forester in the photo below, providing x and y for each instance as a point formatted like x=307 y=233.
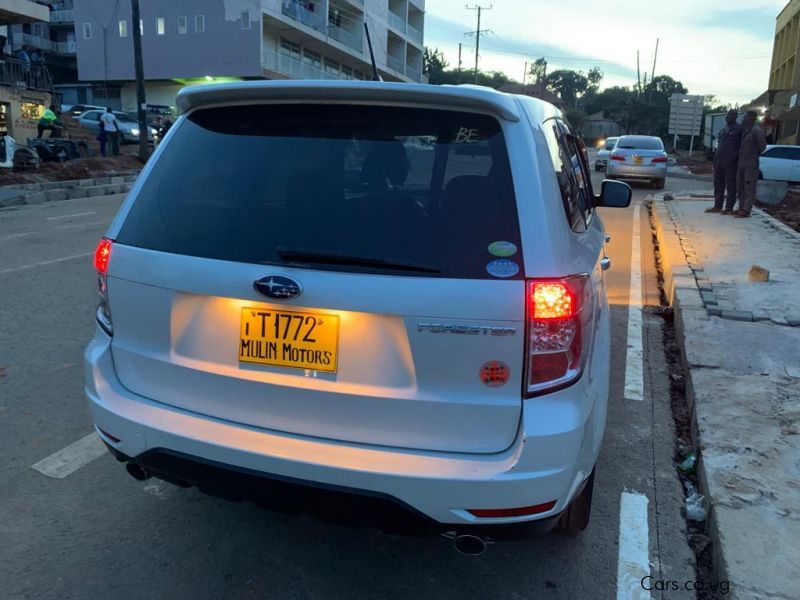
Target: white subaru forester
x=361 y=296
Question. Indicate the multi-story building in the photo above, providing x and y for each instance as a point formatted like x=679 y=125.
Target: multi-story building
x=24 y=87
x=190 y=41
x=781 y=101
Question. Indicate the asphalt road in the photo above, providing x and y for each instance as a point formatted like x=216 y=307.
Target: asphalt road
x=99 y=533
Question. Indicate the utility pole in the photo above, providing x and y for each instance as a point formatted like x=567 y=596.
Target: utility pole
x=459 y=63
x=478 y=33
x=653 y=76
x=525 y=73
x=139 y=68
x=638 y=76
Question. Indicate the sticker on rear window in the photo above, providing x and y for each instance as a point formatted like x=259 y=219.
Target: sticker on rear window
x=502 y=249
x=502 y=268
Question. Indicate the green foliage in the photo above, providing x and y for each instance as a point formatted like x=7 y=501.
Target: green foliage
x=538 y=70
x=572 y=86
x=433 y=62
x=435 y=66
x=644 y=113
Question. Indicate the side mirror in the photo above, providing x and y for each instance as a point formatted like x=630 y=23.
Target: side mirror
x=614 y=194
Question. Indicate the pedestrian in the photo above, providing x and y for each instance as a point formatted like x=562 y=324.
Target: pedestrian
x=49 y=122
x=753 y=144
x=109 y=123
x=102 y=138
x=158 y=126
x=726 y=161
x=770 y=139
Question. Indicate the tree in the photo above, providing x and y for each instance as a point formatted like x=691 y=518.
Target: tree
x=434 y=63
x=538 y=70
x=572 y=86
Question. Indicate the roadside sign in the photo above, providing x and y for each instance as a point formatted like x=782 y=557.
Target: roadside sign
x=685 y=114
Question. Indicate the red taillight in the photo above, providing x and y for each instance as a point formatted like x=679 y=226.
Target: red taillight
x=101 y=255
x=618 y=157
x=551 y=300
x=659 y=159
x=559 y=332
x=494 y=513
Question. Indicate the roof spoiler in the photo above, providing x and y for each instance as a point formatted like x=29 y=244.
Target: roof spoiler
x=500 y=105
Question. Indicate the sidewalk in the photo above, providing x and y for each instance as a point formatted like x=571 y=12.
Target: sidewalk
x=740 y=344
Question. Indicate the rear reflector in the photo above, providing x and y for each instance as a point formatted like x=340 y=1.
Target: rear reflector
x=496 y=513
x=101 y=255
x=108 y=435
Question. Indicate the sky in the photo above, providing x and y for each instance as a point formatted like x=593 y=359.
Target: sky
x=719 y=47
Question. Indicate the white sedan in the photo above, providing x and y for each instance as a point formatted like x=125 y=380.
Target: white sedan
x=781 y=163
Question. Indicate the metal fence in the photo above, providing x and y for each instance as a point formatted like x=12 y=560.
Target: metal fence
x=24 y=75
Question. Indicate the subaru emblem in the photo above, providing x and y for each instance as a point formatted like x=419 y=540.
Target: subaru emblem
x=278 y=286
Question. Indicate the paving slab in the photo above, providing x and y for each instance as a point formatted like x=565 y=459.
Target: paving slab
x=743 y=390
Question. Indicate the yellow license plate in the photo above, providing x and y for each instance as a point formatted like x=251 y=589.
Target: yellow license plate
x=289 y=339
x=637 y=160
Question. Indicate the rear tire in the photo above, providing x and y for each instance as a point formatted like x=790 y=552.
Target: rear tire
x=659 y=184
x=576 y=517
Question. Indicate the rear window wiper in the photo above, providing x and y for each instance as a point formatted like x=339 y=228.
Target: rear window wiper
x=339 y=258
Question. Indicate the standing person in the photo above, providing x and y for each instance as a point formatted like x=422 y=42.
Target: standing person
x=726 y=161
x=49 y=122
x=109 y=123
x=102 y=138
x=753 y=144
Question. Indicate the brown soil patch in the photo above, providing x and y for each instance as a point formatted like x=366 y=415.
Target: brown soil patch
x=787 y=211
x=697 y=163
x=81 y=168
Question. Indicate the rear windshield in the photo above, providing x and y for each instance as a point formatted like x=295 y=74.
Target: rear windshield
x=640 y=142
x=273 y=184
x=610 y=143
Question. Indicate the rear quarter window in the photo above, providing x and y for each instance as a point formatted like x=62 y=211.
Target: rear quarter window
x=419 y=185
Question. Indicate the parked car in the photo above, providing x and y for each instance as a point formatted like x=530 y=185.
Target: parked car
x=601 y=160
x=639 y=157
x=421 y=334
x=128 y=124
x=76 y=110
x=159 y=110
x=781 y=163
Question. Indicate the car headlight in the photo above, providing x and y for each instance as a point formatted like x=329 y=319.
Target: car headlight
x=134 y=131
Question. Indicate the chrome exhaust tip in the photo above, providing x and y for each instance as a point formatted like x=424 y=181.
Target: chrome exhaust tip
x=469 y=545
x=137 y=472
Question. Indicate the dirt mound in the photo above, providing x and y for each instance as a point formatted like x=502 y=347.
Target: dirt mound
x=81 y=168
x=787 y=211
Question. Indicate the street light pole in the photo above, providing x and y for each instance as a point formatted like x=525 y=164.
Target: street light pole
x=139 y=68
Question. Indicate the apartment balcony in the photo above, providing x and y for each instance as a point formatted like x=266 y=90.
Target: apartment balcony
x=62 y=17
x=398 y=22
x=414 y=34
x=24 y=75
x=294 y=68
x=348 y=38
x=396 y=64
x=315 y=19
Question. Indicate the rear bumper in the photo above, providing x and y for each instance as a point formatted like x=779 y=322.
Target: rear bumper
x=617 y=169
x=555 y=450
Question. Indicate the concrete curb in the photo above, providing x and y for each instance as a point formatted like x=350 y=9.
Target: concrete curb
x=680 y=175
x=690 y=294
x=53 y=191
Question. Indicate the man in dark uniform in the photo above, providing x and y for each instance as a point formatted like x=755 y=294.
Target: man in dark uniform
x=753 y=144
x=726 y=161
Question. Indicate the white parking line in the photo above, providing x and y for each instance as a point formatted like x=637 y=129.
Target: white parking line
x=634 y=553
x=46 y=262
x=83 y=214
x=634 y=370
x=73 y=457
